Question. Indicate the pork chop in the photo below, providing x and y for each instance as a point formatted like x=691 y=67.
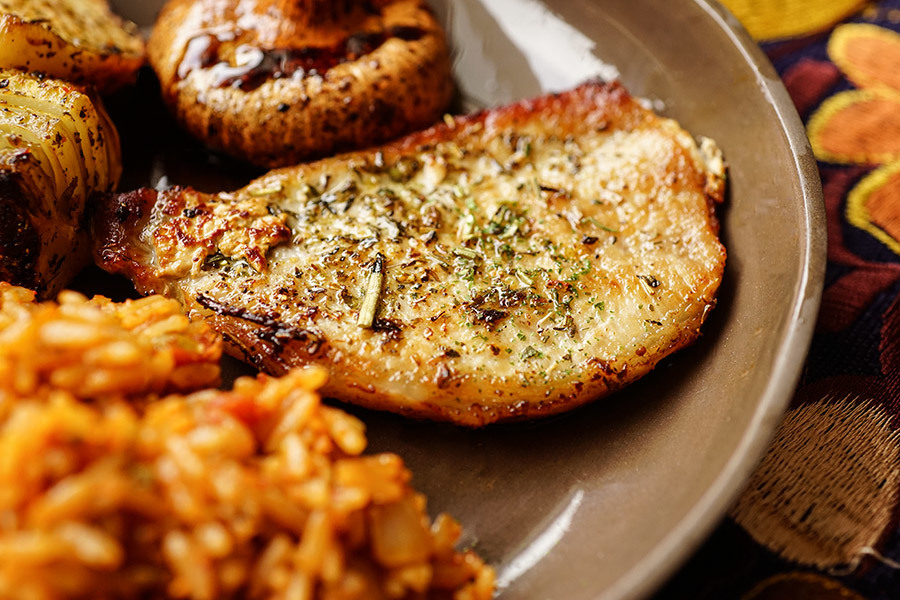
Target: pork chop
x=504 y=265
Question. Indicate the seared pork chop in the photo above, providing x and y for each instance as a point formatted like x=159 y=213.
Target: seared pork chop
x=505 y=265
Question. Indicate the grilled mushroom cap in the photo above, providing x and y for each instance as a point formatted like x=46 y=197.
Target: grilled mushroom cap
x=276 y=82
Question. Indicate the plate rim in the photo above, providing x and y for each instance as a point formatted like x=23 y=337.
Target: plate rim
x=679 y=543
x=650 y=573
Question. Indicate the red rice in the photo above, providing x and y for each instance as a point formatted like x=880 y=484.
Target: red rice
x=108 y=490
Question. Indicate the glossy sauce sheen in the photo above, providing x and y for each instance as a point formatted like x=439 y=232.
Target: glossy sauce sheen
x=507 y=265
x=277 y=82
x=259 y=65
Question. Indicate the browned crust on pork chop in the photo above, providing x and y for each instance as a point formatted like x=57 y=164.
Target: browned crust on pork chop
x=527 y=259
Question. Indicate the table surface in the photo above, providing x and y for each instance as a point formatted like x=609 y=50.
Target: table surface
x=819 y=518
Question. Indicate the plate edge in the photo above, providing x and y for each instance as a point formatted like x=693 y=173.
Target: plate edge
x=649 y=574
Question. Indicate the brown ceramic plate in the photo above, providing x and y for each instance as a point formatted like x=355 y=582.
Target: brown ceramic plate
x=609 y=500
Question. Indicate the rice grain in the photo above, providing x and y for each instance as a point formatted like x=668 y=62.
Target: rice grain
x=123 y=476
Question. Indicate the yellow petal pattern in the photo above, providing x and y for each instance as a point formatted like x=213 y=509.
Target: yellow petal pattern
x=774 y=19
x=859 y=126
x=874 y=205
x=862 y=126
x=868 y=55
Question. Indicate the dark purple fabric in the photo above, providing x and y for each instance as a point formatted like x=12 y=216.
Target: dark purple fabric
x=855 y=350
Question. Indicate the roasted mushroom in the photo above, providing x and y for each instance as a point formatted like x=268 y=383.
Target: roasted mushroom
x=58 y=147
x=77 y=40
x=275 y=82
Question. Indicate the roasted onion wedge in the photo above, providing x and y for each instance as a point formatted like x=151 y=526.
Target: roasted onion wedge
x=275 y=82
x=58 y=147
x=77 y=40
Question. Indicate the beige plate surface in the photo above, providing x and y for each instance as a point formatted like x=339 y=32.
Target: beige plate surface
x=606 y=502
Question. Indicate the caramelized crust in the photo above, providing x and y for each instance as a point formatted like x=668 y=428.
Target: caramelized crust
x=58 y=148
x=19 y=240
x=80 y=41
x=506 y=265
x=274 y=81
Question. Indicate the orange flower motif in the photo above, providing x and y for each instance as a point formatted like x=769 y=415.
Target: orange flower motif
x=862 y=126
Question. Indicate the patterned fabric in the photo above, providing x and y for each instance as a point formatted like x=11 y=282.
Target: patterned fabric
x=820 y=518
x=773 y=19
